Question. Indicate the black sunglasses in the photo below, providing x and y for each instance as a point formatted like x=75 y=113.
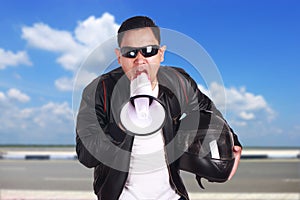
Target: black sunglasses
x=147 y=51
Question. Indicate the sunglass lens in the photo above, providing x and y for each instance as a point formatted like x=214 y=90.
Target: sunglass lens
x=129 y=52
x=149 y=51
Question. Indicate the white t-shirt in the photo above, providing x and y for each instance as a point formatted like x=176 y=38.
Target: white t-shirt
x=148 y=176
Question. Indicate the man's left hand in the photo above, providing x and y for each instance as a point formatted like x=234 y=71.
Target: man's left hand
x=237 y=150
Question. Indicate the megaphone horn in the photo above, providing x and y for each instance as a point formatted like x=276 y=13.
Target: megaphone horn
x=143 y=114
x=143 y=124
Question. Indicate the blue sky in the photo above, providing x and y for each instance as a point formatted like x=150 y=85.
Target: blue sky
x=254 y=44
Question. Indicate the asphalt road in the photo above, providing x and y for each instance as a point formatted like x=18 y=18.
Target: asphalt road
x=253 y=176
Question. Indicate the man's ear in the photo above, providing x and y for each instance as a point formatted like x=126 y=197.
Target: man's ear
x=162 y=52
x=118 y=54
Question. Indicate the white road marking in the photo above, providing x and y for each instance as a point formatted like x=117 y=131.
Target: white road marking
x=245 y=196
x=67 y=179
x=46 y=195
x=12 y=168
x=89 y=195
x=271 y=160
x=292 y=180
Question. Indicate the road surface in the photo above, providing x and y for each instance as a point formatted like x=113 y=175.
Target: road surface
x=269 y=178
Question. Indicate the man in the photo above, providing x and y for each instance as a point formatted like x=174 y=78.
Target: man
x=150 y=169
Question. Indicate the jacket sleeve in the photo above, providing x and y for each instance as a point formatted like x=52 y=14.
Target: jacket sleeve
x=196 y=100
x=93 y=145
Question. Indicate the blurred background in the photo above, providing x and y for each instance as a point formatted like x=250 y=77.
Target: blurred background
x=255 y=46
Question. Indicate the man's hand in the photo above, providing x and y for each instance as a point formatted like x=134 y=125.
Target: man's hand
x=237 y=150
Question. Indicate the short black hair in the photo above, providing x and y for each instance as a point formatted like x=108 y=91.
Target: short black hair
x=138 y=22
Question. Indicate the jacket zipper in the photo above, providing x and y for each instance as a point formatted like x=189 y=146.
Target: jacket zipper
x=166 y=160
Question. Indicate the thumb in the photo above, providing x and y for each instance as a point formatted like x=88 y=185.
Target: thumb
x=236 y=148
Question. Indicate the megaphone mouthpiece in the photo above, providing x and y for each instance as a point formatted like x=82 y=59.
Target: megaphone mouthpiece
x=141 y=85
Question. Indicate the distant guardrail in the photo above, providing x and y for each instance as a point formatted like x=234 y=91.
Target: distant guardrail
x=71 y=155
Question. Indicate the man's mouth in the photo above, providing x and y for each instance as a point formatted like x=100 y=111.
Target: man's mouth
x=139 y=71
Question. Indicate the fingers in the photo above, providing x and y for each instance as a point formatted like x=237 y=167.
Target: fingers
x=237 y=150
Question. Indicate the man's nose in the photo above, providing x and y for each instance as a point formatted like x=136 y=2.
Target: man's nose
x=140 y=59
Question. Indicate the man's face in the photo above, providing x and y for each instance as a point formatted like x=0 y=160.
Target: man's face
x=132 y=67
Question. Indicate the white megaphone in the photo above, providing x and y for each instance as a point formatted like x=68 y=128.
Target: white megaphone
x=143 y=114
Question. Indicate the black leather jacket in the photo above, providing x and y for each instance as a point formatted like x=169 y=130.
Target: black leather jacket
x=101 y=144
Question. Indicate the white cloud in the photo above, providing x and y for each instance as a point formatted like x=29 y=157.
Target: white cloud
x=50 y=123
x=73 y=47
x=240 y=104
x=8 y=58
x=94 y=31
x=13 y=94
x=53 y=113
x=42 y=36
x=250 y=116
x=64 y=84
x=84 y=78
x=2 y=97
x=238 y=123
x=17 y=76
x=16 y=94
x=247 y=116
